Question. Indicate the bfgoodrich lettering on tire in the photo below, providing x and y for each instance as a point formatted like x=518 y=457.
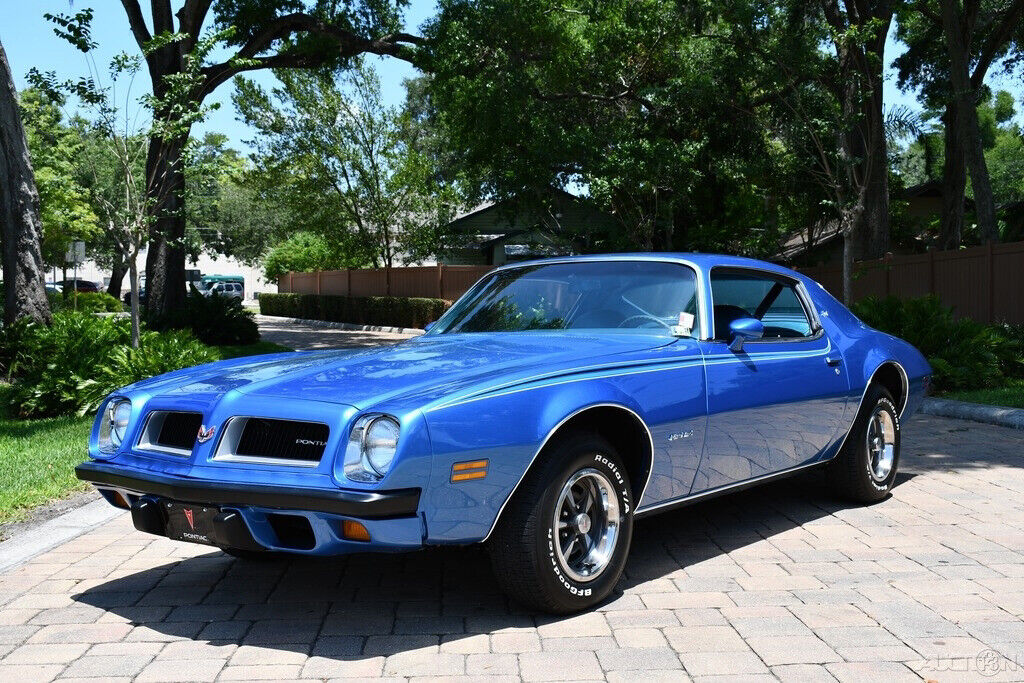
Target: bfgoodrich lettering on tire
x=865 y=470
x=562 y=542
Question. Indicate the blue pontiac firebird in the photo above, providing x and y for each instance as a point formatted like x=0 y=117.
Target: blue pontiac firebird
x=552 y=405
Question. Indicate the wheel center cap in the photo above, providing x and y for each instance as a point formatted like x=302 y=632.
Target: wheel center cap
x=582 y=523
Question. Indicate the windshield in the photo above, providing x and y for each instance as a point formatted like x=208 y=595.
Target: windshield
x=600 y=295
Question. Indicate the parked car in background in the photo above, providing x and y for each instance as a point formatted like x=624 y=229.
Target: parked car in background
x=54 y=288
x=230 y=290
x=552 y=405
x=79 y=285
x=127 y=297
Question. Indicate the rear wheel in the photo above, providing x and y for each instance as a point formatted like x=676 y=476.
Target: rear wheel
x=562 y=542
x=865 y=469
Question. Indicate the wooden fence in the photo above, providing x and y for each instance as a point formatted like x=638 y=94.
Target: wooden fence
x=983 y=283
x=438 y=282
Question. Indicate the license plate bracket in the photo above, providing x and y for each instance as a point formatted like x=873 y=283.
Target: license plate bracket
x=189 y=522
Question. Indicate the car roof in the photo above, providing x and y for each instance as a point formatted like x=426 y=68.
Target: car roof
x=701 y=261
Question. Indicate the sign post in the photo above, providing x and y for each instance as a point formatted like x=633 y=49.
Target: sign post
x=75 y=255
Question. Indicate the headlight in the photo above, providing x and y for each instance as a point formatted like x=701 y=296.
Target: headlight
x=114 y=424
x=371 y=447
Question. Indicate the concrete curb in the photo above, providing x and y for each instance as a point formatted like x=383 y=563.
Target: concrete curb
x=340 y=326
x=996 y=415
x=25 y=545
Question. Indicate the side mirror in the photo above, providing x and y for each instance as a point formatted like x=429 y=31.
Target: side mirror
x=743 y=329
x=426 y=328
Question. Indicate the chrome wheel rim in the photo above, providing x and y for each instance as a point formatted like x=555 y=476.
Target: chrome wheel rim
x=881 y=444
x=586 y=525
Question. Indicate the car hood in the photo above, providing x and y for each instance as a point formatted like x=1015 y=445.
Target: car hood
x=431 y=366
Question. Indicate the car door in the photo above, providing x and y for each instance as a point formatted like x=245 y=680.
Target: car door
x=778 y=403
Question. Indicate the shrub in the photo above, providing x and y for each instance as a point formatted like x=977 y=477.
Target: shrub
x=214 y=320
x=88 y=302
x=67 y=367
x=158 y=352
x=964 y=354
x=395 y=311
x=1011 y=355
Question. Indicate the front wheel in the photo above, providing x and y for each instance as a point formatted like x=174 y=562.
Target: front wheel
x=865 y=469
x=562 y=542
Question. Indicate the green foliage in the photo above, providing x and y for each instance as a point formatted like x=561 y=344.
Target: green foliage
x=63 y=369
x=345 y=165
x=393 y=311
x=303 y=252
x=157 y=353
x=964 y=354
x=663 y=110
x=214 y=320
x=64 y=207
x=88 y=302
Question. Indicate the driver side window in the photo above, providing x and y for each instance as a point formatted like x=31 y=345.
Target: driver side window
x=773 y=301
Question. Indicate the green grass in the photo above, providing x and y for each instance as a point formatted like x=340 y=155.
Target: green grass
x=1011 y=395
x=38 y=457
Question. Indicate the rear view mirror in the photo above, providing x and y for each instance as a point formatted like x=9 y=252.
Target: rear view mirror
x=742 y=330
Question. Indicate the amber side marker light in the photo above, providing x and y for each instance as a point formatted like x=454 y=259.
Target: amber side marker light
x=474 y=469
x=354 y=531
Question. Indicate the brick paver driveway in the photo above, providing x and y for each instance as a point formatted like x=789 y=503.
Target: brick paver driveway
x=776 y=582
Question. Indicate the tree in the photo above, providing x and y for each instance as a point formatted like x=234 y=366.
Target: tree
x=20 y=227
x=303 y=252
x=858 y=30
x=952 y=46
x=351 y=168
x=65 y=211
x=648 y=106
x=258 y=34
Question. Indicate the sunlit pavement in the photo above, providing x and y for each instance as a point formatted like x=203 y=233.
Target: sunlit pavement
x=778 y=582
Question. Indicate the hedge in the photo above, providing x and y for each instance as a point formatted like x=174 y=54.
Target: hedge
x=391 y=311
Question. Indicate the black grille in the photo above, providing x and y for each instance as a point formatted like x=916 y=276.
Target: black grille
x=283 y=439
x=179 y=430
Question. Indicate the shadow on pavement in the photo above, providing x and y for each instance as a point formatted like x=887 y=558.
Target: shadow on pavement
x=364 y=606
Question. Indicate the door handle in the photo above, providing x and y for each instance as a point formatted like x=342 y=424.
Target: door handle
x=833 y=361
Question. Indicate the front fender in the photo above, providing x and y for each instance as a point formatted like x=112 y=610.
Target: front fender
x=508 y=430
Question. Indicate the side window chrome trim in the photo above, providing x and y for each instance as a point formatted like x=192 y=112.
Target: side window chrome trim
x=798 y=288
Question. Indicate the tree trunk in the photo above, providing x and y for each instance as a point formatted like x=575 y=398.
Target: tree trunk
x=954 y=182
x=20 y=228
x=165 y=260
x=133 y=284
x=117 y=273
x=874 y=220
x=965 y=100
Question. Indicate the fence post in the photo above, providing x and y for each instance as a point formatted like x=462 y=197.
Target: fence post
x=387 y=279
x=291 y=288
x=440 y=280
x=319 y=274
x=348 y=282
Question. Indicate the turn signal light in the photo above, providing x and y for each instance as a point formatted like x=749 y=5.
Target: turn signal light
x=474 y=469
x=354 y=531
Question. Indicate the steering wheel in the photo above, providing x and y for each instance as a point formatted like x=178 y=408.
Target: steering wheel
x=644 y=316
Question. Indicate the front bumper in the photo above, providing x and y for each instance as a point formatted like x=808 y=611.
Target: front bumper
x=359 y=504
x=249 y=511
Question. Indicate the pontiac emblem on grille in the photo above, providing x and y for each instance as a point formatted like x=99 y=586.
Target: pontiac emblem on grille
x=188 y=516
x=205 y=434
